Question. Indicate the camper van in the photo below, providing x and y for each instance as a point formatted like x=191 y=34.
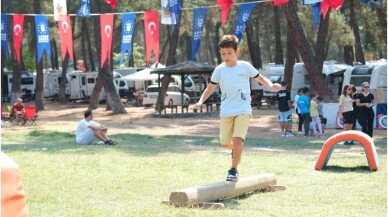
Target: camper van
x=82 y=84
x=51 y=82
x=375 y=75
x=27 y=83
x=273 y=72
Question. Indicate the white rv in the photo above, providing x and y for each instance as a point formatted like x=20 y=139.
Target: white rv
x=375 y=75
x=51 y=82
x=27 y=82
x=273 y=72
x=82 y=84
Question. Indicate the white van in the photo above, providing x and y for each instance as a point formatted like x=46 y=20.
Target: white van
x=375 y=75
x=51 y=82
x=27 y=82
x=273 y=72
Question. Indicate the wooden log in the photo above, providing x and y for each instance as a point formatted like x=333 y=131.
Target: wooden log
x=220 y=190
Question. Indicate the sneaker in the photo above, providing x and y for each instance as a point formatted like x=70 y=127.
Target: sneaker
x=300 y=132
x=294 y=134
x=283 y=134
x=288 y=134
x=232 y=175
x=110 y=142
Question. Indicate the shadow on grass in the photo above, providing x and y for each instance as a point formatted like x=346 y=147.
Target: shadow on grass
x=340 y=169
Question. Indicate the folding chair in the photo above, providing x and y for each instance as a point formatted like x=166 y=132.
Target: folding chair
x=29 y=116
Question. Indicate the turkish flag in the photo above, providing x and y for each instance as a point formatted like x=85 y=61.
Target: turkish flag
x=18 y=20
x=106 y=21
x=151 y=29
x=333 y=4
x=224 y=5
x=279 y=2
x=66 y=36
x=112 y=3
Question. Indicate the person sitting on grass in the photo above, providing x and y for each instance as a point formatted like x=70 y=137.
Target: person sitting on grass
x=18 y=110
x=87 y=131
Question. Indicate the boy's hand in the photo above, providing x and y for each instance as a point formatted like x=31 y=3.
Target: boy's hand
x=276 y=87
x=197 y=106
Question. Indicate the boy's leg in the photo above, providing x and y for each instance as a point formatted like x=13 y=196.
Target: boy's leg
x=237 y=151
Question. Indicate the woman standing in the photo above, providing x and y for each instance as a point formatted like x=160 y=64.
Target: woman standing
x=346 y=109
x=365 y=102
x=355 y=108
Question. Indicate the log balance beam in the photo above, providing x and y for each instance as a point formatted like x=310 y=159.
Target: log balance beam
x=205 y=194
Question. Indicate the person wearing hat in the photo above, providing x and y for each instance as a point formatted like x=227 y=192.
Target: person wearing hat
x=18 y=110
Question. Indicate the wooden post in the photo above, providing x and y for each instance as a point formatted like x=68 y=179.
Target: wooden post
x=220 y=190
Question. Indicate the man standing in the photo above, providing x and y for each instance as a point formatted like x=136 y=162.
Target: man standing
x=285 y=114
x=87 y=131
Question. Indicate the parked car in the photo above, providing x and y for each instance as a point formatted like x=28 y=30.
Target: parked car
x=173 y=96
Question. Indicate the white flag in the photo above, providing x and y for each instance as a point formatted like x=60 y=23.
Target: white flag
x=60 y=9
x=166 y=15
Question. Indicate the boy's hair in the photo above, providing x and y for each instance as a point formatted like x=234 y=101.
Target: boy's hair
x=87 y=113
x=228 y=41
x=319 y=98
x=300 y=90
x=305 y=90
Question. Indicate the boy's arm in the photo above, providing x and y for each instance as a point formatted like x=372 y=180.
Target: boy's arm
x=266 y=82
x=206 y=93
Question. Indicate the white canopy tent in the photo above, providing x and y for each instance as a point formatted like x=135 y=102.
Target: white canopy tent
x=143 y=75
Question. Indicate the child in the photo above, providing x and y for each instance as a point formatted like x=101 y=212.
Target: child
x=233 y=78
x=303 y=105
x=315 y=115
x=320 y=111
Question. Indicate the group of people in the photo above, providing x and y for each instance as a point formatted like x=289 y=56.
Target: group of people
x=308 y=109
x=355 y=107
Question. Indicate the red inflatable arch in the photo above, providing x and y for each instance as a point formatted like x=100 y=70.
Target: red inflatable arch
x=364 y=139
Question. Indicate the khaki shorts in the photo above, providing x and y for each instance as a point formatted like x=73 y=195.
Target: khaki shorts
x=235 y=126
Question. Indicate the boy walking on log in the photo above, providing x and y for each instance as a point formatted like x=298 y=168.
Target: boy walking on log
x=233 y=78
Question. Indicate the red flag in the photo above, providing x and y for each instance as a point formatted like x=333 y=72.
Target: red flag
x=66 y=36
x=151 y=29
x=279 y=2
x=18 y=20
x=112 y=3
x=106 y=21
x=224 y=5
x=333 y=4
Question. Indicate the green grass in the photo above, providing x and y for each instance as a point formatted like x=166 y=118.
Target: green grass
x=131 y=179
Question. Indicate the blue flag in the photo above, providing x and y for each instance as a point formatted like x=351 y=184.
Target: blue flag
x=84 y=10
x=4 y=44
x=42 y=36
x=175 y=7
x=128 y=27
x=199 y=17
x=244 y=14
x=316 y=13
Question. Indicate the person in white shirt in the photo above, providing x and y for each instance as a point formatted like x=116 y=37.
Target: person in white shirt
x=87 y=131
x=297 y=111
x=232 y=76
x=346 y=109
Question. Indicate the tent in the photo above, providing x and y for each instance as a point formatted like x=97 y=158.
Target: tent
x=143 y=75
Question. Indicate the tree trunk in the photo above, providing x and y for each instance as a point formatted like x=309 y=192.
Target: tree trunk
x=54 y=54
x=90 y=51
x=354 y=25
x=306 y=51
x=105 y=77
x=62 y=85
x=216 y=41
x=72 y=18
x=290 y=60
x=39 y=102
x=320 y=43
x=278 y=41
x=254 y=43
x=83 y=44
x=348 y=55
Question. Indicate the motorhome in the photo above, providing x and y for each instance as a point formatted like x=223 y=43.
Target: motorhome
x=51 y=82
x=82 y=84
x=27 y=83
x=273 y=72
x=374 y=74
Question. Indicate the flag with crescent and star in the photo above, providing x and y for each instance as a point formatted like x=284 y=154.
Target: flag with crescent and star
x=42 y=36
x=106 y=21
x=199 y=17
x=128 y=27
x=18 y=20
x=66 y=36
x=151 y=29
x=244 y=14
x=224 y=5
x=4 y=44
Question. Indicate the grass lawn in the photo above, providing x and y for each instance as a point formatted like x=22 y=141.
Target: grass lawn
x=131 y=179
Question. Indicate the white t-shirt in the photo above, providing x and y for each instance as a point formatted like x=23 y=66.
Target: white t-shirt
x=235 y=88
x=84 y=134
